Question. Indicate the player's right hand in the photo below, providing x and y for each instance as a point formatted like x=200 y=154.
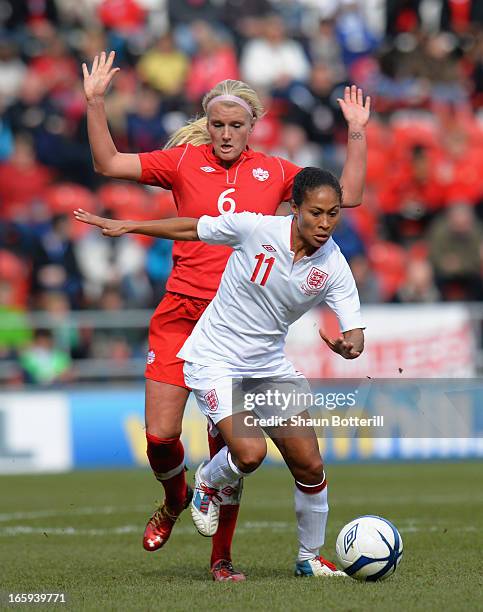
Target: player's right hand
x=356 y=111
x=110 y=227
x=99 y=78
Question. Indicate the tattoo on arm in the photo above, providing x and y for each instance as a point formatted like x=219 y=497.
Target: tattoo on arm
x=356 y=136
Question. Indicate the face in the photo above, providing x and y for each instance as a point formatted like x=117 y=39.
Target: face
x=274 y=29
x=317 y=216
x=229 y=128
x=322 y=78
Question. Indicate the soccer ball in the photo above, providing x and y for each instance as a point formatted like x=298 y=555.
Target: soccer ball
x=369 y=548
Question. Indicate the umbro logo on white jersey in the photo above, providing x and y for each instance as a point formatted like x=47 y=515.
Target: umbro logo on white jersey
x=207 y=169
x=269 y=248
x=260 y=174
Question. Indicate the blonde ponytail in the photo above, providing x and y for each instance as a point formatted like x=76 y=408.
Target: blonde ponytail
x=196 y=132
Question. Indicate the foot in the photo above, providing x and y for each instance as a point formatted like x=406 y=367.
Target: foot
x=205 y=506
x=223 y=571
x=318 y=567
x=161 y=524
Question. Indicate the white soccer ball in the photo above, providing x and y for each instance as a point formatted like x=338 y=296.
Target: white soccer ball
x=369 y=548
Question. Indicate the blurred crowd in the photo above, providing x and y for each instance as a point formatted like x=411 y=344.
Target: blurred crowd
x=418 y=236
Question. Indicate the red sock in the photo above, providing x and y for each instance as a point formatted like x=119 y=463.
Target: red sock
x=166 y=458
x=223 y=538
x=215 y=443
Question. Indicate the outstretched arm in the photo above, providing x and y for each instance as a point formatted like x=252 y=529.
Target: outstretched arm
x=106 y=158
x=350 y=345
x=173 y=229
x=356 y=113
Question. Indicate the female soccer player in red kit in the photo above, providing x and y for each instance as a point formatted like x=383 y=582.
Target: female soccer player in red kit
x=211 y=171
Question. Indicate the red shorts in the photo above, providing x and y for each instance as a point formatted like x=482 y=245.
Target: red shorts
x=171 y=324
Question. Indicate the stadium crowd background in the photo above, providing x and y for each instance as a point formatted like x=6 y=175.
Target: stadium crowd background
x=417 y=238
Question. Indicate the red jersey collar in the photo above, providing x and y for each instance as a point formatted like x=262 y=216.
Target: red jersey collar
x=209 y=153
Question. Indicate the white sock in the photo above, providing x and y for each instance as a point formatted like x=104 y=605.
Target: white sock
x=312 y=512
x=221 y=470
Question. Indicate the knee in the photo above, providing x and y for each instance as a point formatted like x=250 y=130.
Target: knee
x=164 y=433
x=164 y=409
x=163 y=424
x=311 y=473
x=250 y=459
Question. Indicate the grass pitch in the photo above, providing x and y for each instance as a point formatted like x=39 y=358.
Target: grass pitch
x=80 y=533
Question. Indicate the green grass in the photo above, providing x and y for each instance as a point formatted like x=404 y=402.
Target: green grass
x=102 y=566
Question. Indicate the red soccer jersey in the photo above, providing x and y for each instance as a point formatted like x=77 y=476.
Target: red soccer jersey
x=202 y=186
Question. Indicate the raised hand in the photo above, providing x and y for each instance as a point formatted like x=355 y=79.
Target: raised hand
x=341 y=346
x=110 y=227
x=355 y=110
x=98 y=80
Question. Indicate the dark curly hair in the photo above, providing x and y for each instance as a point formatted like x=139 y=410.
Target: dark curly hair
x=311 y=178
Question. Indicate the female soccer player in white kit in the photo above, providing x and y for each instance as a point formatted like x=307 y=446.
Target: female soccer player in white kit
x=280 y=268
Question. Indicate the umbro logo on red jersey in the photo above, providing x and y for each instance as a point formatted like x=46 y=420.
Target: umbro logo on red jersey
x=269 y=248
x=207 y=169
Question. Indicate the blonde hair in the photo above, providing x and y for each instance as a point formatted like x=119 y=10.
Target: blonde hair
x=196 y=132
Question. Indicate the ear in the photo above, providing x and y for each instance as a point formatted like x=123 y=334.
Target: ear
x=294 y=208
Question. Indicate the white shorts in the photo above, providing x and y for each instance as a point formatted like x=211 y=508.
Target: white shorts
x=220 y=392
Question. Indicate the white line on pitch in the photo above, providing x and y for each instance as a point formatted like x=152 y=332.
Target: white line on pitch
x=244 y=528
x=72 y=511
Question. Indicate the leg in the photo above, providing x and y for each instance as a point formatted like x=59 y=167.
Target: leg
x=302 y=456
x=223 y=538
x=223 y=471
x=164 y=413
x=239 y=458
x=300 y=449
x=166 y=395
x=222 y=569
x=243 y=455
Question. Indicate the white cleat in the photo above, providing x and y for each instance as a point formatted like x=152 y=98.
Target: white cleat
x=317 y=567
x=205 y=506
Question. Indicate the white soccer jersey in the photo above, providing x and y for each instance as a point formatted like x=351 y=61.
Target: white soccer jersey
x=262 y=292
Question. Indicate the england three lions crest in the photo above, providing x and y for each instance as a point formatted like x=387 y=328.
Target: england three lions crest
x=314 y=282
x=211 y=399
x=260 y=174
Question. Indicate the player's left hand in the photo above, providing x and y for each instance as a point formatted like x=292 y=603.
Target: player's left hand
x=340 y=345
x=355 y=110
x=110 y=227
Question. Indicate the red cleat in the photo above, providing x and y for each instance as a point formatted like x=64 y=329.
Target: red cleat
x=161 y=524
x=223 y=571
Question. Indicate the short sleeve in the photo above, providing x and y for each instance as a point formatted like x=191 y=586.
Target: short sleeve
x=342 y=297
x=289 y=172
x=230 y=229
x=160 y=168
